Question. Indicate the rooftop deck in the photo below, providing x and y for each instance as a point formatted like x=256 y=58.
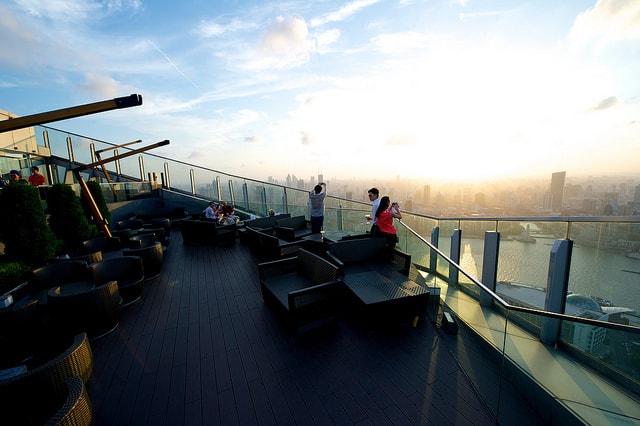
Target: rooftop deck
x=201 y=347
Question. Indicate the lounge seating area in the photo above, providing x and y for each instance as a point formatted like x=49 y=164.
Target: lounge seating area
x=175 y=215
x=363 y=276
x=45 y=357
x=51 y=389
x=207 y=232
x=304 y=288
x=293 y=228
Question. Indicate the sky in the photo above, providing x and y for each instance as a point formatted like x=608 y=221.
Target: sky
x=426 y=89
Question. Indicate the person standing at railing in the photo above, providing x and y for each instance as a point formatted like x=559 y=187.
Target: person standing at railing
x=316 y=199
x=37 y=178
x=385 y=214
x=15 y=176
x=373 y=194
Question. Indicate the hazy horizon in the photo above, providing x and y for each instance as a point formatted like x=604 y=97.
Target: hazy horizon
x=451 y=91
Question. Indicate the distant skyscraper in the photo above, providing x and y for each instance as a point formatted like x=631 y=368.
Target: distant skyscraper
x=320 y=177
x=426 y=195
x=546 y=202
x=557 y=190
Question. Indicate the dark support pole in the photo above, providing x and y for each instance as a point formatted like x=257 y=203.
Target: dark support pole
x=557 y=286
x=490 y=265
x=456 y=240
x=433 y=256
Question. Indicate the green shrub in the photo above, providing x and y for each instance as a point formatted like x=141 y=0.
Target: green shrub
x=12 y=274
x=67 y=219
x=23 y=225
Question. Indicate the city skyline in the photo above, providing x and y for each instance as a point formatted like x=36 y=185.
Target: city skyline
x=451 y=90
x=577 y=195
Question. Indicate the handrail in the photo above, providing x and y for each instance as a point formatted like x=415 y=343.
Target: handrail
x=508 y=306
x=568 y=219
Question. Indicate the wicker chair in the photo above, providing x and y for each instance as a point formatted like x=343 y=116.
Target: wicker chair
x=123 y=235
x=163 y=223
x=88 y=258
x=102 y=244
x=76 y=408
x=128 y=271
x=35 y=397
x=129 y=224
x=20 y=329
x=57 y=274
x=152 y=258
x=160 y=233
x=95 y=311
x=142 y=240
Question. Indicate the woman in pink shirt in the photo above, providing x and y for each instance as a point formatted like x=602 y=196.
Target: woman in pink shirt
x=384 y=218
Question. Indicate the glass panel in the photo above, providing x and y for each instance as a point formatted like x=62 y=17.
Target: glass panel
x=605 y=264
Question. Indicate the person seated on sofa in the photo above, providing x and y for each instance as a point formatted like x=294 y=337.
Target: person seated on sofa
x=227 y=214
x=210 y=212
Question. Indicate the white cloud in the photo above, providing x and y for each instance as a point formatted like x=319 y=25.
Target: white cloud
x=101 y=86
x=213 y=29
x=343 y=12
x=285 y=44
x=609 y=21
x=61 y=12
x=325 y=39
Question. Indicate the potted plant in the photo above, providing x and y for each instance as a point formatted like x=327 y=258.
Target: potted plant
x=23 y=226
x=67 y=219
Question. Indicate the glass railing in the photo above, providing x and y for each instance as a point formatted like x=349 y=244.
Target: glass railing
x=601 y=328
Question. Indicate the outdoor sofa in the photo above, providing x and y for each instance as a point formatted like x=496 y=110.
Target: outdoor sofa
x=265 y=246
x=305 y=289
x=293 y=228
x=175 y=215
x=207 y=232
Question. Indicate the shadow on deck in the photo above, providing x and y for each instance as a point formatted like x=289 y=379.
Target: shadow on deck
x=202 y=348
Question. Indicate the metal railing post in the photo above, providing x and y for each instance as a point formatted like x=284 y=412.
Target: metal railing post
x=490 y=266
x=433 y=256
x=167 y=178
x=557 y=285
x=456 y=238
x=70 y=149
x=141 y=164
x=192 y=177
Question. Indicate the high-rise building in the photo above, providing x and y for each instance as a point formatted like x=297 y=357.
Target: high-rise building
x=426 y=195
x=636 y=200
x=557 y=191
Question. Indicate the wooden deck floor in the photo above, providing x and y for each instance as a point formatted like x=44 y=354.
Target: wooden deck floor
x=201 y=348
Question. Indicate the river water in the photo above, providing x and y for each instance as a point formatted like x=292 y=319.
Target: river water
x=597 y=272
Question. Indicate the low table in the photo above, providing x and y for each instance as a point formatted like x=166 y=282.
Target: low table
x=388 y=296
